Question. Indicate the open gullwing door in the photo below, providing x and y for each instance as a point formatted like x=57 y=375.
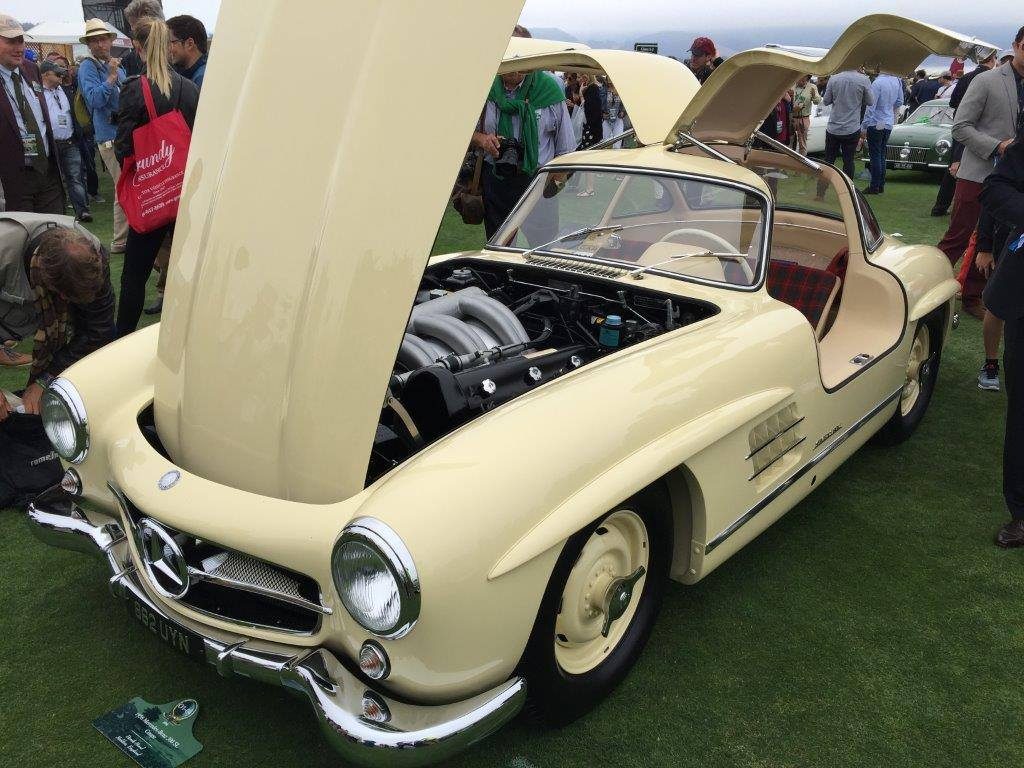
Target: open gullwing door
x=734 y=101
x=653 y=88
x=313 y=193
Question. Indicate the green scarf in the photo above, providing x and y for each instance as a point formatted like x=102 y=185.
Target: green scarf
x=539 y=90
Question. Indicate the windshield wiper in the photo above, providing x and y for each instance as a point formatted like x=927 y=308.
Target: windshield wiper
x=579 y=233
x=638 y=274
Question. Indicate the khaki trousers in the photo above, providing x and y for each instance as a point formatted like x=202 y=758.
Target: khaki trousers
x=113 y=167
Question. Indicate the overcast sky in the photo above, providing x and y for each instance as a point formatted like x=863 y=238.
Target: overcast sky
x=604 y=16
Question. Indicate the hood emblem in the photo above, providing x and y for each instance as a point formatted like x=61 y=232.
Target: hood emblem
x=169 y=480
x=163 y=559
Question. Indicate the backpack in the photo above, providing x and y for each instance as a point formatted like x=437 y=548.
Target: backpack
x=28 y=463
x=83 y=115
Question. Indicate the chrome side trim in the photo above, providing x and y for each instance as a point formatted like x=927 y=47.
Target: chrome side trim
x=778 y=458
x=760 y=448
x=786 y=484
x=415 y=735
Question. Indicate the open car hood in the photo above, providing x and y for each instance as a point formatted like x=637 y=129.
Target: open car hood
x=308 y=214
x=734 y=101
x=653 y=88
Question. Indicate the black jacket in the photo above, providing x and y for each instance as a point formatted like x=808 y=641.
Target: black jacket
x=1003 y=198
x=132 y=113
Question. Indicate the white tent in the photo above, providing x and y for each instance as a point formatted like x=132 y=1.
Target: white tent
x=68 y=33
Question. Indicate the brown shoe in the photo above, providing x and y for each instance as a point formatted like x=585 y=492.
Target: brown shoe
x=11 y=358
x=1011 y=535
x=975 y=308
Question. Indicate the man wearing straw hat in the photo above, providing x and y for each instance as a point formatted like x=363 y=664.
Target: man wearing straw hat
x=100 y=78
x=29 y=169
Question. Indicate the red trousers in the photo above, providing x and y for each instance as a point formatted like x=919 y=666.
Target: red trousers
x=962 y=223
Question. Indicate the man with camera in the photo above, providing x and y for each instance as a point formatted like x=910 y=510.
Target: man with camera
x=525 y=125
x=100 y=78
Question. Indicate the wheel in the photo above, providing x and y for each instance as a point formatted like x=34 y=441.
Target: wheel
x=599 y=608
x=922 y=373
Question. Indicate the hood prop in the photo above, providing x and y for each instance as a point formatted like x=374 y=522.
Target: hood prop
x=686 y=139
x=779 y=146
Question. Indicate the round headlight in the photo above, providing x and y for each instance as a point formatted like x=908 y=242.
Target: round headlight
x=942 y=147
x=65 y=422
x=376 y=578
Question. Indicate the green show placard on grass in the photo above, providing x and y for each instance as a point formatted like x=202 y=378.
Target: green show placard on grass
x=153 y=735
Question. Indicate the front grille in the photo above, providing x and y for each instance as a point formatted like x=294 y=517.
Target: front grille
x=917 y=154
x=234 y=586
x=249 y=570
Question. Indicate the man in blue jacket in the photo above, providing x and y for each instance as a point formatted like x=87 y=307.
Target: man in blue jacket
x=100 y=78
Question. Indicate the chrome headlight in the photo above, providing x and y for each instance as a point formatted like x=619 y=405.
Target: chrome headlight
x=376 y=578
x=942 y=146
x=65 y=421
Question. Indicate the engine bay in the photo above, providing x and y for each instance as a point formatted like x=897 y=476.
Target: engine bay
x=480 y=335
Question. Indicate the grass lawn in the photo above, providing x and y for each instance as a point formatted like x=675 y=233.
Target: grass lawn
x=874 y=625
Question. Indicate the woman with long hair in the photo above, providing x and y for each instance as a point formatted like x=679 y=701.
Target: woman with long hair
x=171 y=91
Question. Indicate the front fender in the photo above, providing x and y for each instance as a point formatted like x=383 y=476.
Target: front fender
x=635 y=472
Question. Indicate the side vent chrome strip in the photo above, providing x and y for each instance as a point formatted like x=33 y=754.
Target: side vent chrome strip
x=785 y=485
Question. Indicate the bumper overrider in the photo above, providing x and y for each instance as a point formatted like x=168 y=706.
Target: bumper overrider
x=411 y=734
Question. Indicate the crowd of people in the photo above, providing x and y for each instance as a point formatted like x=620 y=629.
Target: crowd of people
x=61 y=116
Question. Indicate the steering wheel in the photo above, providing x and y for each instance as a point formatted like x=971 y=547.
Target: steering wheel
x=719 y=244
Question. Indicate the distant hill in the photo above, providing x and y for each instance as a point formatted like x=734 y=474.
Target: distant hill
x=729 y=41
x=553 y=33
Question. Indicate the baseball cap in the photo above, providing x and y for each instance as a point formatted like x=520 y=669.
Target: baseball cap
x=9 y=27
x=703 y=46
x=52 y=66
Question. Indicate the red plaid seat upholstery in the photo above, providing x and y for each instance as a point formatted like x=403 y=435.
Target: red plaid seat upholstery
x=807 y=289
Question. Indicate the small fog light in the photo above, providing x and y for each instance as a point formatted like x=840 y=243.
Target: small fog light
x=71 y=483
x=374 y=661
x=374 y=708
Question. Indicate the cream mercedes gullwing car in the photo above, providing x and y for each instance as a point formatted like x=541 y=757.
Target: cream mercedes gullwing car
x=419 y=491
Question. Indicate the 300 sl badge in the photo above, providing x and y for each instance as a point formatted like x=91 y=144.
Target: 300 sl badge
x=827 y=435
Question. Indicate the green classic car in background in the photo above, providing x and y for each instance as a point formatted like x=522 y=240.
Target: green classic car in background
x=924 y=141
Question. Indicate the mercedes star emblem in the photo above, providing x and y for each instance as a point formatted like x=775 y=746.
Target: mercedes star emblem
x=163 y=560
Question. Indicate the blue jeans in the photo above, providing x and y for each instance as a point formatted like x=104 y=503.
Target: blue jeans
x=877 y=140
x=71 y=170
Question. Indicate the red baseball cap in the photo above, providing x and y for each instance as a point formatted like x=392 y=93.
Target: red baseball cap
x=703 y=46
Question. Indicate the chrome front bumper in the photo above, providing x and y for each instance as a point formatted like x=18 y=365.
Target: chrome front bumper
x=413 y=735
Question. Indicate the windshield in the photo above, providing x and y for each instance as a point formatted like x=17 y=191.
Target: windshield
x=693 y=229
x=932 y=114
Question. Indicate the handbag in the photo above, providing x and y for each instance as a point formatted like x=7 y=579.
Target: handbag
x=149 y=188
x=469 y=201
x=28 y=463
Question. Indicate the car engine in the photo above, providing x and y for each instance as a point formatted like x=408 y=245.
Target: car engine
x=481 y=335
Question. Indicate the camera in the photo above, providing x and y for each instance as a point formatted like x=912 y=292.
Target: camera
x=510 y=156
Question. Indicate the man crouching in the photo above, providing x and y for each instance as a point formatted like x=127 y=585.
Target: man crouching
x=56 y=284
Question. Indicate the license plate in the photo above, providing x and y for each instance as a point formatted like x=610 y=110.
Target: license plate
x=171 y=634
x=903 y=166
